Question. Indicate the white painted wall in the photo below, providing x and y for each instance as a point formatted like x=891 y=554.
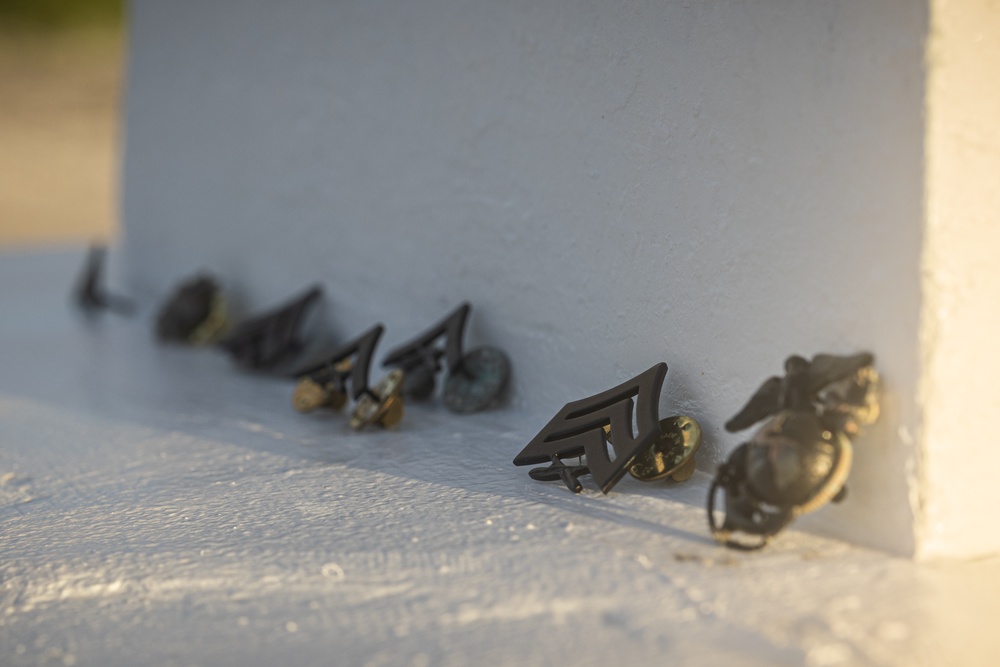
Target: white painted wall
x=961 y=281
x=611 y=183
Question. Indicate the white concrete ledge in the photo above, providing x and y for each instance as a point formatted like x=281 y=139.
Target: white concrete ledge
x=159 y=507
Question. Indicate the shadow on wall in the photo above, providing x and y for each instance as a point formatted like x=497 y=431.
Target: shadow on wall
x=60 y=80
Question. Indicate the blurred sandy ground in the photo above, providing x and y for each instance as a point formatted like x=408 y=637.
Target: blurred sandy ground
x=60 y=90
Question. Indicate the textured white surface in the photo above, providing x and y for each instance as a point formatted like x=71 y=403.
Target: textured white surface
x=610 y=183
x=157 y=507
x=961 y=280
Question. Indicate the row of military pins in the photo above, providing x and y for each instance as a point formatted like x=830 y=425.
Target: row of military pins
x=798 y=459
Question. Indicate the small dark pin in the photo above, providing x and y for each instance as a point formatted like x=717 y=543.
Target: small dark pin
x=89 y=292
x=557 y=470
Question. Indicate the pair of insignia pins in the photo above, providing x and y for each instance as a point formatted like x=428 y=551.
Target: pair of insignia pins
x=796 y=463
x=475 y=380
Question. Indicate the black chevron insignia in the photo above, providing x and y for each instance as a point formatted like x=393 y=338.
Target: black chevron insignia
x=421 y=350
x=266 y=340
x=358 y=354
x=578 y=429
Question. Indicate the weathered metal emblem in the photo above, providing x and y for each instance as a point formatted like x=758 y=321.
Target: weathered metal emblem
x=195 y=314
x=475 y=380
x=800 y=459
x=599 y=429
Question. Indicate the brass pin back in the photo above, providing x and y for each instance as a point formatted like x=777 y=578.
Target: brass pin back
x=310 y=395
x=215 y=326
x=383 y=405
x=671 y=455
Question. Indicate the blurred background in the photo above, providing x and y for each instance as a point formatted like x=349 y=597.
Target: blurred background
x=61 y=71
